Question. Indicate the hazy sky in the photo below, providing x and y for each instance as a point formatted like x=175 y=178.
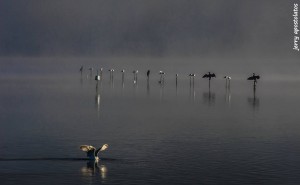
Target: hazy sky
x=146 y=27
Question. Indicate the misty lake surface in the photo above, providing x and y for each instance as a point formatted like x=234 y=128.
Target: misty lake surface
x=157 y=133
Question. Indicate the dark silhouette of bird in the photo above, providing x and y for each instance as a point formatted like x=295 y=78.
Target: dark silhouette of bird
x=148 y=74
x=254 y=78
x=91 y=151
x=209 y=75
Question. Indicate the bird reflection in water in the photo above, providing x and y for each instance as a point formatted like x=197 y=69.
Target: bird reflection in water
x=123 y=79
x=161 y=91
x=254 y=101
x=97 y=97
x=209 y=97
x=148 y=87
x=227 y=87
x=176 y=83
x=92 y=168
x=228 y=96
x=111 y=77
x=192 y=86
x=97 y=102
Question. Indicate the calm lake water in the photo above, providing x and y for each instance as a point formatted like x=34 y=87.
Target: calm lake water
x=157 y=134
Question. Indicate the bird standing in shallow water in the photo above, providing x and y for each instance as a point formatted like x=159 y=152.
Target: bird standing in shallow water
x=91 y=151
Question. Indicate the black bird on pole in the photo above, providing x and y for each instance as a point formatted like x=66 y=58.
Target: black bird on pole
x=209 y=76
x=254 y=78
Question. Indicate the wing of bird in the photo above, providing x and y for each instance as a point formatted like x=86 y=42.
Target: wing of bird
x=258 y=77
x=213 y=75
x=104 y=147
x=250 y=78
x=87 y=148
x=205 y=76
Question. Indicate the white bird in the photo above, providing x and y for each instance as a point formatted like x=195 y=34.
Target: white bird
x=192 y=77
x=228 y=78
x=97 y=77
x=162 y=78
x=135 y=72
x=91 y=151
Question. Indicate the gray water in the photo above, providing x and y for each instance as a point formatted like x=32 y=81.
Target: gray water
x=157 y=133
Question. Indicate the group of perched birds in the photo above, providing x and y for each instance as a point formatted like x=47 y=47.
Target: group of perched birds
x=92 y=152
x=208 y=75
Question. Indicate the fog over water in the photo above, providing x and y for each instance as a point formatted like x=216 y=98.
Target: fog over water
x=170 y=132
x=153 y=28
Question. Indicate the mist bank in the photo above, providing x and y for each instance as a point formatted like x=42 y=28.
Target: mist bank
x=146 y=28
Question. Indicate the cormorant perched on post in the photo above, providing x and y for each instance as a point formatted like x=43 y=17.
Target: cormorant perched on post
x=254 y=78
x=209 y=76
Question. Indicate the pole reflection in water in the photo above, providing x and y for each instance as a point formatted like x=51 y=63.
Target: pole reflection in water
x=92 y=169
x=176 y=84
x=254 y=101
x=112 y=82
x=192 y=87
x=209 y=97
x=228 y=95
x=81 y=81
x=97 y=98
x=148 y=87
x=123 y=78
x=161 y=90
